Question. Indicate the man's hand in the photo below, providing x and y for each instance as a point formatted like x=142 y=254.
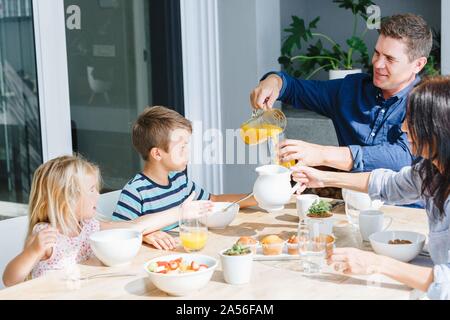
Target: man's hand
x=306 y=153
x=266 y=93
x=160 y=240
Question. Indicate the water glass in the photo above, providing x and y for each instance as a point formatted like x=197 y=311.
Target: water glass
x=312 y=248
x=273 y=144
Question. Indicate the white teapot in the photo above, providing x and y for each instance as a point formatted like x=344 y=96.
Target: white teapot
x=272 y=189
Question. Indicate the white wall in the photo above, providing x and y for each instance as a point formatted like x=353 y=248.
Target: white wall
x=338 y=23
x=445 y=43
x=249 y=37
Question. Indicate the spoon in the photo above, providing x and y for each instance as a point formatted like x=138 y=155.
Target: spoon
x=233 y=203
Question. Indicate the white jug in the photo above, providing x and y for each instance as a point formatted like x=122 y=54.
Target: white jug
x=272 y=189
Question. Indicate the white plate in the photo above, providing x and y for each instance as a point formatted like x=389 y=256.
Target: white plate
x=259 y=256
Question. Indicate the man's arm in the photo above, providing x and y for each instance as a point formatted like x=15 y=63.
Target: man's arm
x=317 y=96
x=387 y=155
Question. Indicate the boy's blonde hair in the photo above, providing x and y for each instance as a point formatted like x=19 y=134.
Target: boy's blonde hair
x=56 y=191
x=153 y=127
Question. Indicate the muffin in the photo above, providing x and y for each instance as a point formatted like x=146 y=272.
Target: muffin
x=248 y=242
x=272 y=245
x=292 y=245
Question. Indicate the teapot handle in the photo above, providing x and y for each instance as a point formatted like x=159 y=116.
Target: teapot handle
x=295 y=188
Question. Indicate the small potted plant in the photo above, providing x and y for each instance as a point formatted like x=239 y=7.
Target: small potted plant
x=330 y=56
x=237 y=264
x=320 y=212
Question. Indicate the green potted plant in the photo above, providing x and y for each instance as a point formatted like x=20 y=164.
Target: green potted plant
x=333 y=57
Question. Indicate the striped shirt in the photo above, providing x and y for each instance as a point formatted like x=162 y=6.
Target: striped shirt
x=142 y=196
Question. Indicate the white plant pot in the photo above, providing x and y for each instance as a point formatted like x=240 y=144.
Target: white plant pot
x=237 y=269
x=341 y=74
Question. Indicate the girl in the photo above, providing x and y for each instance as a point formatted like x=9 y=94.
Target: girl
x=428 y=127
x=63 y=197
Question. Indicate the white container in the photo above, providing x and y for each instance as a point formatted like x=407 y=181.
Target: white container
x=401 y=252
x=341 y=74
x=181 y=284
x=237 y=269
x=304 y=202
x=372 y=221
x=272 y=189
x=325 y=224
x=220 y=219
x=116 y=247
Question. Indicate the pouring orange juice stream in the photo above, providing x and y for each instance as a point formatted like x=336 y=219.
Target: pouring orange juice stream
x=255 y=132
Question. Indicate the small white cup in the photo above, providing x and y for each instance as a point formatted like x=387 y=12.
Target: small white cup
x=237 y=269
x=372 y=221
x=304 y=202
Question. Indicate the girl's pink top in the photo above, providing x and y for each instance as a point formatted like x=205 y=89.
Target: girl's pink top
x=68 y=251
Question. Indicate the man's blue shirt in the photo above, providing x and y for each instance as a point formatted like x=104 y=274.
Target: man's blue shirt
x=364 y=121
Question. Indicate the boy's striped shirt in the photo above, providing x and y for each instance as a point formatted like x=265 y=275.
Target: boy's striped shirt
x=142 y=196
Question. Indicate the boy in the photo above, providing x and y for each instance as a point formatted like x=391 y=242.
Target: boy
x=161 y=137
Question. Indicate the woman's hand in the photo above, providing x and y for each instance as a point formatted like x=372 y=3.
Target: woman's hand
x=306 y=153
x=41 y=242
x=266 y=93
x=309 y=177
x=160 y=240
x=355 y=261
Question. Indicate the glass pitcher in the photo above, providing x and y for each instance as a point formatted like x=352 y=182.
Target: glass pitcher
x=262 y=125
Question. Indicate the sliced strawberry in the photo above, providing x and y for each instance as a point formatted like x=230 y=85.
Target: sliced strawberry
x=162 y=263
x=204 y=266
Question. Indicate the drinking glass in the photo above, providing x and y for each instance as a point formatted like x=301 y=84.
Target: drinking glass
x=273 y=144
x=193 y=229
x=312 y=248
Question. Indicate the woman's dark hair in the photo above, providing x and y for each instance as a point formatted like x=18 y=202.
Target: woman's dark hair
x=428 y=119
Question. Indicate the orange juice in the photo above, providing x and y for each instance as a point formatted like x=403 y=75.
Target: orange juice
x=193 y=240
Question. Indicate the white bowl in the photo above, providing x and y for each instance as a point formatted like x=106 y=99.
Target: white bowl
x=402 y=252
x=116 y=247
x=219 y=219
x=181 y=284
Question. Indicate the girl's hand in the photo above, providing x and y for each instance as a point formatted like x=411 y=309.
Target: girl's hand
x=311 y=178
x=160 y=240
x=43 y=241
x=355 y=261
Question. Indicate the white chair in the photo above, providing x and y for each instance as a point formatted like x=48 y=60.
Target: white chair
x=13 y=233
x=107 y=204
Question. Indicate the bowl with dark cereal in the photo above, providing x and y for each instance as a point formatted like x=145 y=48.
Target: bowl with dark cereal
x=400 y=245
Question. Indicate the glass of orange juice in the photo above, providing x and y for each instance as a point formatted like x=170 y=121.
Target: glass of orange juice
x=193 y=231
x=273 y=144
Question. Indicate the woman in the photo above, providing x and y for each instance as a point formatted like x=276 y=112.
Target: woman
x=428 y=128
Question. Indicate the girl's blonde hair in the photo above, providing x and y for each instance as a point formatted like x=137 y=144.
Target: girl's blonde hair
x=56 y=192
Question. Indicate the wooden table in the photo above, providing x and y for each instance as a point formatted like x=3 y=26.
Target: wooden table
x=270 y=279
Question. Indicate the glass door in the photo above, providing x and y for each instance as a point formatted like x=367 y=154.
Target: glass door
x=20 y=132
x=123 y=55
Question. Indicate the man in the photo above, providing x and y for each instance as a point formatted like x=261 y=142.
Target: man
x=366 y=112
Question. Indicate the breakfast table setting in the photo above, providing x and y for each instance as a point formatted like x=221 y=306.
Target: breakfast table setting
x=270 y=278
